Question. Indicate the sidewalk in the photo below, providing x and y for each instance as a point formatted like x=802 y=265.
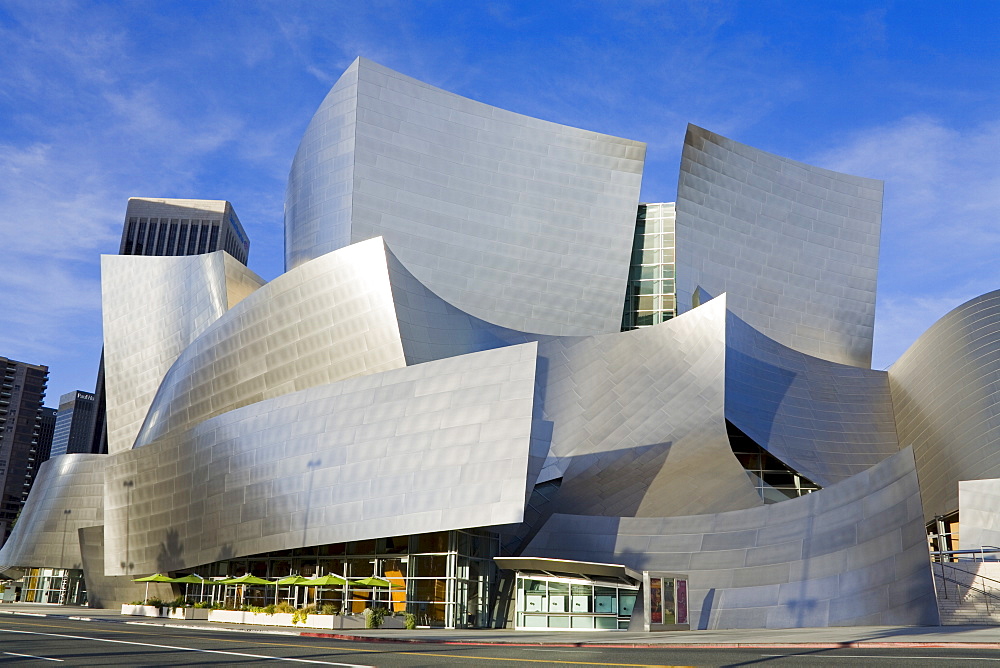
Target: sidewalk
x=984 y=637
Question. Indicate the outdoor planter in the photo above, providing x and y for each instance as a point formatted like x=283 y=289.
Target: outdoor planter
x=228 y=616
x=140 y=610
x=186 y=613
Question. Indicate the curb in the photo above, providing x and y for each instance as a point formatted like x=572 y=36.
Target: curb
x=854 y=644
x=860 y=644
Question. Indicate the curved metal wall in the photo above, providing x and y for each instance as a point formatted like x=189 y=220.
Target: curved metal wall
x=521 y=222
x=68 y=494
x=794 y=246
x=648 y=404
x=854 y=553
x=327 y=320
x=825 y=420
x=435 y=446
x=153 y=308
x=945 y=394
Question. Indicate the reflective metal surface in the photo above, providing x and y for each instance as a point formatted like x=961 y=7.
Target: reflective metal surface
x=794 y=246
x=486 y=207
x=827 y=421
x=68 y=494
x=945 y=395
x=638 y=420
x=424 y=448
x=327 y=320
x=154 y=307
x=853 y=553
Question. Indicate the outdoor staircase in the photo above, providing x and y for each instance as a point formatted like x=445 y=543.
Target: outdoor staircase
x=968 y=592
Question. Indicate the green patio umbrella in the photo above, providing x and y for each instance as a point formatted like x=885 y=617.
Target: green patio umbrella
x=156 y=577
x=290 y=581
x=372 y=581
x=244 y=580
x=191 y=579
x=325 y=581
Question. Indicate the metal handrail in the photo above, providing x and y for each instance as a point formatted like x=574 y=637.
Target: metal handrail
x=980 y=551
x=987 y=593
x=974 y=575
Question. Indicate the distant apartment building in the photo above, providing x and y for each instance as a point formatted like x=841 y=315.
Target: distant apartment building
x=22 y=391
x=74 y=423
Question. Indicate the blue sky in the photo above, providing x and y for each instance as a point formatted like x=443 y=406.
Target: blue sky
x=100 y=101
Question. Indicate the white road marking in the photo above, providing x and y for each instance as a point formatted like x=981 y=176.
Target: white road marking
x=32 y=656
x=188 y=649
x=883 y=656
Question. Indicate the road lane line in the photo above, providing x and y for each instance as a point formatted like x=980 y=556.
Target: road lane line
x=32 y=656
x=190 y=649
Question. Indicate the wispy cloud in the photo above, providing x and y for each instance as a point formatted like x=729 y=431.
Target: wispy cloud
x=939 y=223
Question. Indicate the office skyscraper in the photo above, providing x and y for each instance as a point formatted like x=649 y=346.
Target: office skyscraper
x=74 y=422
x=22 y=390
x=182 y=227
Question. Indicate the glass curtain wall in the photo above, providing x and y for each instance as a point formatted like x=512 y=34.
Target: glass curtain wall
x=54 y=585
x=443 y=578
x=572 y=604
x=650 y=296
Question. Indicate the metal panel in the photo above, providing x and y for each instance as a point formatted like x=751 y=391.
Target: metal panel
x=638 y=423
x=327 y=320
x=794 y=246
x=825 y=420
x=945 y=395
x=153 y=308
x=854 y=553
x=68 y=494
x=486 y=207
x=978 y=502
x=357 y=471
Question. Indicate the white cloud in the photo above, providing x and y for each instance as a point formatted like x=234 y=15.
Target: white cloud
x=939 y=225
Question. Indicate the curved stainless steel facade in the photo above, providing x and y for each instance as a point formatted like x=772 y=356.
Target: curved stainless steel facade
x=825 y=420
x=154 y=307
x=327 y=320
x=852 y=554
x=794 y=246
x=68 y=494
x=444 y=352
x=484 y=206
x=424 y=448
x=945 y=395
x=651 y=401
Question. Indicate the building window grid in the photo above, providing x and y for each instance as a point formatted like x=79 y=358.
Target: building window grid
x=651 y=295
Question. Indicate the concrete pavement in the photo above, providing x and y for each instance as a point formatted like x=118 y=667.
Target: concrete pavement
x=984 y=637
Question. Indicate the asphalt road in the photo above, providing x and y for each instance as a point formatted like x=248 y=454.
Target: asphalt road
x=35 y=641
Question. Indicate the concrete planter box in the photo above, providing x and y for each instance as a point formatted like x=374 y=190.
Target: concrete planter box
x=140 y=610
x=319 y=622
x=186 y=613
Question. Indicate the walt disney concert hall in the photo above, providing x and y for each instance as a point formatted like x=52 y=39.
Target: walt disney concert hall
x=494 y=378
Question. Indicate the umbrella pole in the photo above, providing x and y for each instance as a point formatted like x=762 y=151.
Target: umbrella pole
x=145 y=596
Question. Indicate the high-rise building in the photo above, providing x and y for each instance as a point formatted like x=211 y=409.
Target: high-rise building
x=74 y=423
x=22 y=390
x=161 y=227
x=46 y=430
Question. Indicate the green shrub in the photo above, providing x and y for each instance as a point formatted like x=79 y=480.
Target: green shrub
x=302 y=614
x=202 y=605
x=409 y=620
x=155 y=602
x=374 y=618
x=284 y=606
x=330 y=609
